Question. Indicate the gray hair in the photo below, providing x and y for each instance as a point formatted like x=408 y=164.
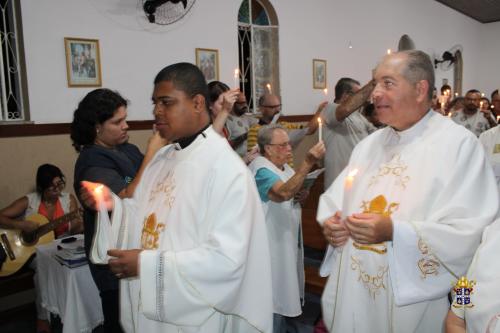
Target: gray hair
x=419 y=67
x=265 y=135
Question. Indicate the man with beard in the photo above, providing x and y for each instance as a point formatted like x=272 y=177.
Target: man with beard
x=475 y=120
x=238 y=124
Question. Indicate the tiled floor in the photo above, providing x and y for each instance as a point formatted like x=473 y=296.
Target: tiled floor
x=25 y=322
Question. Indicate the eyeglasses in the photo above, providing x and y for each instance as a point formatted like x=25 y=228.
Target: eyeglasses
x=272 y=106
x=281 y=145
x=57 y=186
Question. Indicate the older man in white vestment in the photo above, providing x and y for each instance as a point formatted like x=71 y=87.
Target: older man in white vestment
x=191 y=246
x=280 y=189
x=406 y=226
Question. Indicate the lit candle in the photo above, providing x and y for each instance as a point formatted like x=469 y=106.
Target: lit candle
x=326 y=92
x=269 y=90
x=320 y=129
x=456 y=94
x=442 y=100
x=498 y=119
x=347 y=190
x=237 y=78
x=389 y=51
x=482 y=94
x=481 y=105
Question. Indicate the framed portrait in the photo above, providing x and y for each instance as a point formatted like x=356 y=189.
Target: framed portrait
x=207 y=61
x=319 y=74
x=83 y=62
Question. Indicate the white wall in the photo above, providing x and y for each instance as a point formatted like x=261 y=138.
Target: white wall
x=489 y=66
x=133 y=51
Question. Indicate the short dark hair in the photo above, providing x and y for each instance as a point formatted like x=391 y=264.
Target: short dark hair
x=215 y=89
x=185 y=77
x=495 y=92
x=419 y=67
x=473 y=91
x=344 y=86
x=45 y=175
x=95 y=108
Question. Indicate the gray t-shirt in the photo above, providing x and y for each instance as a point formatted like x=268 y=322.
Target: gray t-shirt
x=475 y=123
x=340 y=137
x=238 y=126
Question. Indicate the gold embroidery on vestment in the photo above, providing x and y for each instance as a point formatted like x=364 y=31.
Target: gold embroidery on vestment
x=165 y=188
x=371 y=282
x=428 y=264
x=151 y=231
x=377 y=205
x=395 y=167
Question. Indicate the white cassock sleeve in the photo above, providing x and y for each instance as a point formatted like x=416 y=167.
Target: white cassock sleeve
x=329 y=203
x=230 y=263
x=464 y=203
x=109 y=234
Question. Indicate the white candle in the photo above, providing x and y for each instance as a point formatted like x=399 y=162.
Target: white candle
x=326 y=92
x=100 y=200
x=320 y=129
x=347 y=190
x=237 y=78
x=269 y=90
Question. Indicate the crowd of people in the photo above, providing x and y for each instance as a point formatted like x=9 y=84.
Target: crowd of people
x=203 y=232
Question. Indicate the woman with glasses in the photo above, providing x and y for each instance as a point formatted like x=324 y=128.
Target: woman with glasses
x=48 y=200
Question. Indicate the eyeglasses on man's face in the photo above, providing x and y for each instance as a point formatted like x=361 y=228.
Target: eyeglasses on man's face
x=273 y=106
x=281 y=145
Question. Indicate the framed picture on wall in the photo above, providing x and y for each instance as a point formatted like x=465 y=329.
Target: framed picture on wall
x=319 y=74
x=208 y=61
x=83 y=62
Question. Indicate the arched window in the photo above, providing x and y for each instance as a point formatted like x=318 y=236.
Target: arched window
x=258 y=50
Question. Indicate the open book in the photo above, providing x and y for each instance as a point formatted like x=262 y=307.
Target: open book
x=311 y=178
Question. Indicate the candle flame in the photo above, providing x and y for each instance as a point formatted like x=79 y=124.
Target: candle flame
x=319 y=121
x=482 y=94
x=498 y=119
x=353 y=173
x=389 y=51
x=236 y=73
x=269 y=88
x=456 y=94
x=325 y=91
x=99 y=188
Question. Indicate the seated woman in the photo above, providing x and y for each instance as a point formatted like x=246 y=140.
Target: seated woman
x=50 y=201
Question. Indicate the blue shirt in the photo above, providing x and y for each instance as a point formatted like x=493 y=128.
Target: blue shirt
x=265 y=179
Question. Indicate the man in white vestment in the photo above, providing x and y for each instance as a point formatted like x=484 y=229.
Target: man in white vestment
x=345 y=126
x=280 y=189
x=406 y=215
x=482 y=314
x=190 y=247
x=490 y=140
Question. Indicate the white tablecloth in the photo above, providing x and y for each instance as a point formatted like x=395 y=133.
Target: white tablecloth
x=69 y=293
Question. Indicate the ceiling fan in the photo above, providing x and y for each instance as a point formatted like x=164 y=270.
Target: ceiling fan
x=448 y=58
x=164 y=12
